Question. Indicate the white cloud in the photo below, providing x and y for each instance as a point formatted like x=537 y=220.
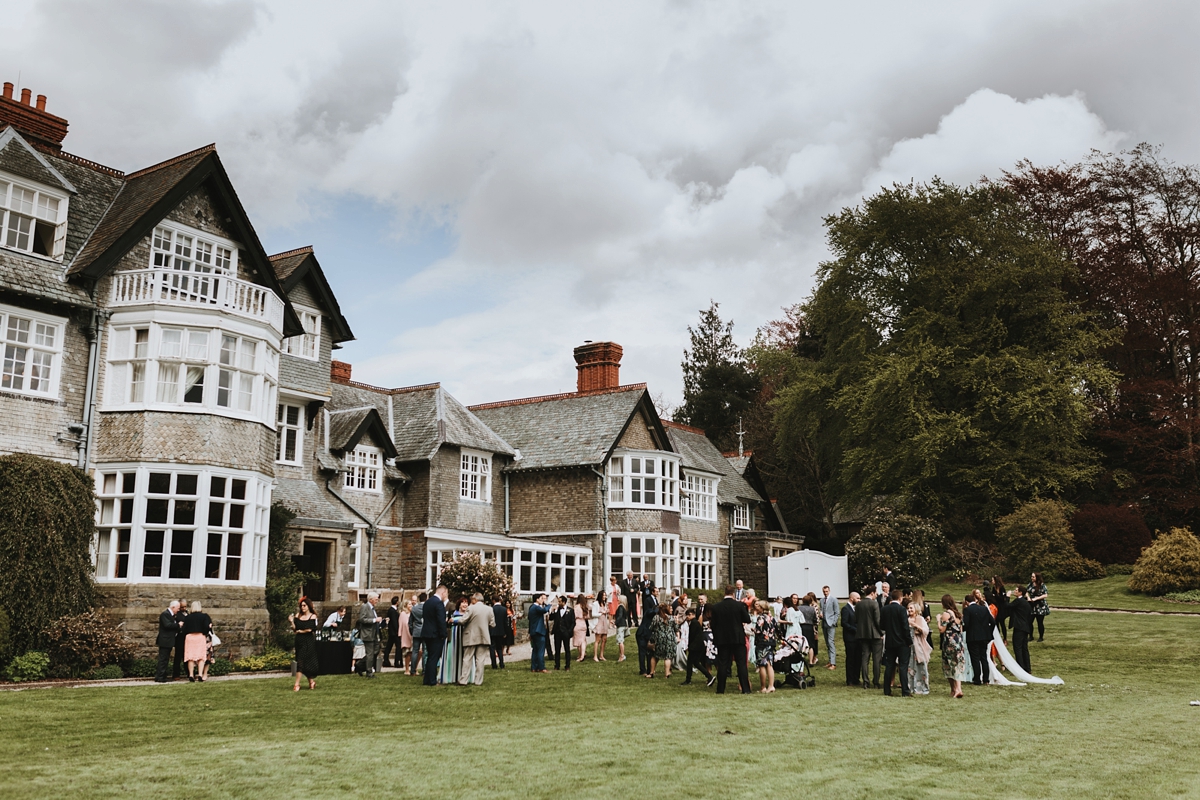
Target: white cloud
x=605 y=169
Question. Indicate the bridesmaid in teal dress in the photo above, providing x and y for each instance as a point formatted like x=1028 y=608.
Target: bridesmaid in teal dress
x=452 y=655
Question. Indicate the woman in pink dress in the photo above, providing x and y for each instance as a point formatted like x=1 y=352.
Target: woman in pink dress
x=406 y=637
x=579 y=636
x=600 y=627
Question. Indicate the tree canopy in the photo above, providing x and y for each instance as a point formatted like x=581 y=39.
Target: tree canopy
x=942 y=362
x=718 y=387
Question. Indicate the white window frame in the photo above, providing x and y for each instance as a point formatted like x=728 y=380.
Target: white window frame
x=697 y=566
x=475 y=476
x=654 y=554
x=628 y=480
x=285 y=427
x=741 y=517
x=308 y=344
x=23 y=214
x=230 y=518
x=699 y=496
x=142 y=358
x=364 y=469
x=354 y=560
x=25 y=344
x=188 y=250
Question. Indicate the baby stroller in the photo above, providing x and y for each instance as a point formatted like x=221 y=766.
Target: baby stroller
x=791 y=662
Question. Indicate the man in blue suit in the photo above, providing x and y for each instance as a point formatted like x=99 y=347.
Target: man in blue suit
x=433 y=633
x=537 y=633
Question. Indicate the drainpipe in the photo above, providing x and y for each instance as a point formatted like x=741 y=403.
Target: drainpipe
x=89 y=397
x=360 y=515
x=604 y=522
x=507 y=520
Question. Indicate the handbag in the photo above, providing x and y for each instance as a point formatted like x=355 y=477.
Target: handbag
x=215 y=640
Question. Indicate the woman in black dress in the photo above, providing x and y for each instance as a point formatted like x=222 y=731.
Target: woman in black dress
x=305 y=628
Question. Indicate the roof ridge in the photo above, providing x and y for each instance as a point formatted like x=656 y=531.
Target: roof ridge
x=735 y=454
x=87 y=162
x=308 y=248
x=670 y=423
x=208 y=148
x=384 y=390
x=355 y=408
x=563 y=396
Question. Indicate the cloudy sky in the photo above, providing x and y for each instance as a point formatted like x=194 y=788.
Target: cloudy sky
x=489 y=184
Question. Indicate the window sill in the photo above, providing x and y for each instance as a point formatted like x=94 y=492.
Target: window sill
x=38 y=256
x=43 y=398
x=469 y=501
x=189 y=408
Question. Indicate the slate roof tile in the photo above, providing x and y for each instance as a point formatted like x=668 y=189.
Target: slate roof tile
x=698 y=452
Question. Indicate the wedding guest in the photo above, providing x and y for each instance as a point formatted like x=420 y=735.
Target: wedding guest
x=197 y=628
x=850 y=640
x=433 y=633
x=181 y=616
x=579 y=635
x=406 y=638
x=918 y=669
x=621 y=623
x=304 y=626
x=808 y=624
x=368 y=631
x=697 y=652
x=739 y=593
x=416 y=627
x=870 y=636
x=564 y=630
x=662 y=637
x=454 y=654
x=649 y=612
x=729 y=618
x=897 y=644
x=954 y=660
x=631 y=588
x=393 y=629
x=537 y=633
x=510 y=633
x=499 y=629
x=978 y=625
x=476 y=623
x=830 y=613
x=765 y=637
x=600 y=626
x=996 y=596
x=169 y=625
x=1020 y=611
x=1037 y=594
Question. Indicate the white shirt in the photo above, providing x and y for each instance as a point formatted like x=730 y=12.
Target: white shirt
x=333 y=620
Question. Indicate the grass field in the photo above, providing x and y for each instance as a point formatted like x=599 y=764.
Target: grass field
x=1108 y=593
x=1121 y=727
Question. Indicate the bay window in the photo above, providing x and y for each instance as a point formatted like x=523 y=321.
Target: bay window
x=699 y=499
x=32 y=347
x=645 y=554
x=643 y=480
x=32 y=220
x=197 y=525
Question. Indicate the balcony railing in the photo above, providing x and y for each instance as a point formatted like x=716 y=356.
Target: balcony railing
x=197 y=290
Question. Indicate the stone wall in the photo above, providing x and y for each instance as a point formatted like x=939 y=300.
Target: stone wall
x=239 y=613
x=166 y=437
x=556 y=500
x=638 y=436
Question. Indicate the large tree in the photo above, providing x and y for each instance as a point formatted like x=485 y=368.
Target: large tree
x=717 y=385
x=1131 y=224
x=949 y=369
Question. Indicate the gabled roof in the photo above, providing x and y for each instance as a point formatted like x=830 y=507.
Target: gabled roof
x=423 y=419
x=293 y=267
x=22 y=159
x=145 y=199
x=568 y=430
x=700 y=453
x=347 y=428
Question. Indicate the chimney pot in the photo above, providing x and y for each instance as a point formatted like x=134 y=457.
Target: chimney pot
x=598 y=365
x=25 y=96
x=8 y=89
x=339 y=371
x=41 y=102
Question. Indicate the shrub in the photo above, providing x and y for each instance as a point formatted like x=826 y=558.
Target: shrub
x=47 y=521
x=271 y=659
x=223 y=666
x=468 y=574
x=1170 y=564
x=1118 y=569
x=972 y=557
x=1037 y=538
x=84 y=642
x=1184 y=597
x=111 y=672
x=1109 y=534
x=142 y=668
x=32 y=666
x=6 y=646
x=912 y=546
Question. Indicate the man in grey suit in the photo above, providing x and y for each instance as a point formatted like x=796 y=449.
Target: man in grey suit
x=368 y=631
x=477 y=639
x=869 y=634
x=830 y=613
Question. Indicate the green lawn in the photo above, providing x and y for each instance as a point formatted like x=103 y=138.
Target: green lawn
x=1121 y=727
x=1110 y=593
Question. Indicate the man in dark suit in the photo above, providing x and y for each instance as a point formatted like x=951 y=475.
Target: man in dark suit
x=537 y=633
x=697 y=658
x=978 y=624
x=433 y=633
x=1020 y=614
x=169 y=624
x=649 y=609
x=631 y=588
x=393 y=628
x=850 y=639
x=870 y=636
x=501 y=615
x=898 y=650
x=701 y=604
x=564 y=629
x=729 y=634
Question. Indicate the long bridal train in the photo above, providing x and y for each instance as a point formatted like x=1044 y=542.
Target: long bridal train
x=1010 y=663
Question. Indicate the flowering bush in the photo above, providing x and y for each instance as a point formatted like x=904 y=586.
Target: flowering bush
x=468 y=574
x=271 y=659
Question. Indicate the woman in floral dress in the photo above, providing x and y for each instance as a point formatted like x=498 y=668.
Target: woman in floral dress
x=765 y=637
x=662 y=633
x=954 y=662
x=1037 y=593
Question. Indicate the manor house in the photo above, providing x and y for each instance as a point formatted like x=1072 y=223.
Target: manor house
x=150 y=340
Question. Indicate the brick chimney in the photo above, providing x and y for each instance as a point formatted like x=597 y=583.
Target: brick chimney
x=599 y=365
x=339 y=372
x=32 y=121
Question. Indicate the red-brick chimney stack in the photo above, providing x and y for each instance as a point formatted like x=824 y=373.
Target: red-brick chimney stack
x=599 y=365
x=339 y=371
x=32 y=121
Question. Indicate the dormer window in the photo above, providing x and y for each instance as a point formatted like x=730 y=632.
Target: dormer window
x=643 y=480
x=475 y=477
x=741 y=516
x=32 y=219
x=307 y=345
x=186 y=250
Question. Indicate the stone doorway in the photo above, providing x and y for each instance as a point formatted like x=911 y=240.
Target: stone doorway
x=316 y=561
